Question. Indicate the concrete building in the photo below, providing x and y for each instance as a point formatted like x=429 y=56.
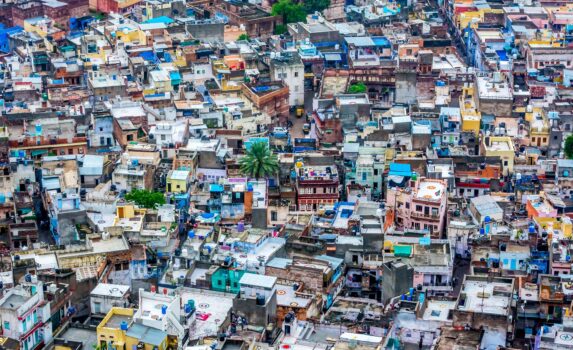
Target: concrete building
x=494 y=95
x=321 y=275
x=289 y=69
x=502 y=147
x=133 y=176
x=317 y=186
x=106 y=86
x=398 y=279
x=178 y=181
x=421 y=206
x=257 y=300
x=486 y=302
x=106 y=296
x=270 y=98
x=256 y=21
x=24 y=311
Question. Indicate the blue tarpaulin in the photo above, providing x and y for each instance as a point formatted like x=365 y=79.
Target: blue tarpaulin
x=399 y=169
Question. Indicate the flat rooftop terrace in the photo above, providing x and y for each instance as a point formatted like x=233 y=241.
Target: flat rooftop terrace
x=485 y=297
x=115 y=321
x=438 y=310
x=287 y=296
x=212 y=309
x=86 y=336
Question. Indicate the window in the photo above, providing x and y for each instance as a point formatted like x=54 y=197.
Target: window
x=505 y=163
x=407 y=205
x=274 y=216
x=162 y=137
x=419 y=208
x=7 y=325
x=296 y=74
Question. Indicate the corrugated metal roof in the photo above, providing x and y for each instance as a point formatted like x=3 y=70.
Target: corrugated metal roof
x=147 y=335
x=334 y=262
x=92 y=165
x=251 y=279
x=360 y=41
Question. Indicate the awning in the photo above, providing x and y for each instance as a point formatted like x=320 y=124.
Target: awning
x=333 y=57
x=39 y=152
x=403 y=250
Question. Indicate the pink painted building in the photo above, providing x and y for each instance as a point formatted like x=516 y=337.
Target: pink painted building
x=419 y=206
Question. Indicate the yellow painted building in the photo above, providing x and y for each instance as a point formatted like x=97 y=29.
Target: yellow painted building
x=561 y=224
x=128 y=211
x=111 y=330
x=159 y=81
x=130 y=35
x=119 y=331
x=473 y=18
x=471 y=117
x=178 y=181
x=500 y=146
x=539 y=132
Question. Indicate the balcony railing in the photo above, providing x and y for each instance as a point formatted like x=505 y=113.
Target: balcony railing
x=419 y=215
x=45 y=142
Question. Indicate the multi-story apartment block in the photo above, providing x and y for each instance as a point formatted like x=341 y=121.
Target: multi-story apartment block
x=421 y=206
x=23 y=311
x=316 y=186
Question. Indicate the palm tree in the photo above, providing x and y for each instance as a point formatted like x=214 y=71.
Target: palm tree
x=259 y=161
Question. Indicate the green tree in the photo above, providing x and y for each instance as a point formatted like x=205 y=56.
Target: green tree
x=289 y=11
x=280 y=29
x=312 y=6
x=357 y=88
x=145 y=198
x=569 y=147
x=244 y=36
x=259 y=161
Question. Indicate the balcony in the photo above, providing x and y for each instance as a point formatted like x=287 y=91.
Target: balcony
x=432 y=217
x=32 y=142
